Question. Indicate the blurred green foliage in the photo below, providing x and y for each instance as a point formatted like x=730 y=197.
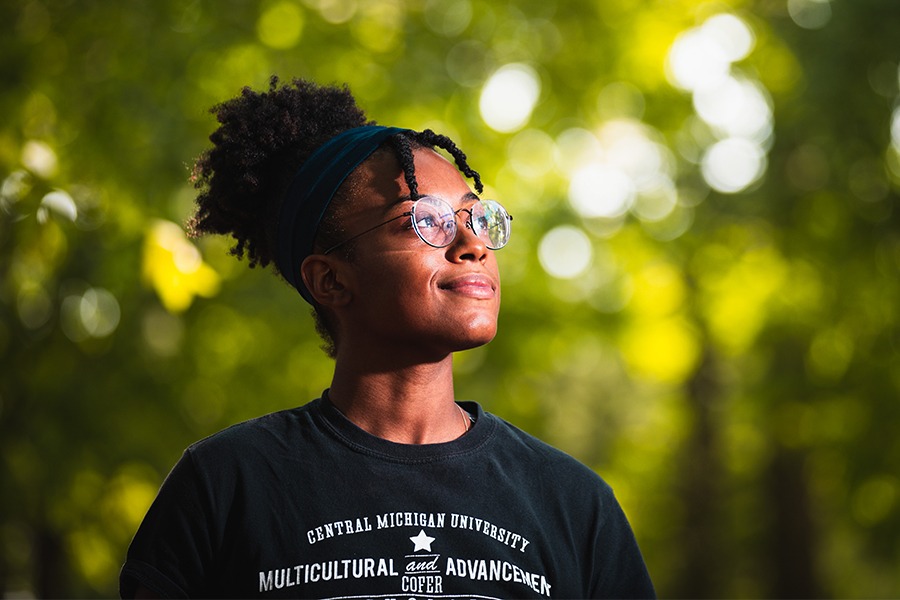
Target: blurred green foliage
x=727 y=357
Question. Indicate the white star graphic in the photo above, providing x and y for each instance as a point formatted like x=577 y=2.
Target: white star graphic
x=422 y=541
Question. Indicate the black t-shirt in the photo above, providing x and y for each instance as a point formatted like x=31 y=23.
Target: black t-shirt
x=303 y=504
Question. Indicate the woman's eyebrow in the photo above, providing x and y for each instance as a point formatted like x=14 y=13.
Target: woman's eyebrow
x=470 y=195
x=398 y=201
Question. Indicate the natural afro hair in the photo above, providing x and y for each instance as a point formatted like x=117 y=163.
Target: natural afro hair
x=263 y=139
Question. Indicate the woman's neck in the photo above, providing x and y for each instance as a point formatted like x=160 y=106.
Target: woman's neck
x=412 y=404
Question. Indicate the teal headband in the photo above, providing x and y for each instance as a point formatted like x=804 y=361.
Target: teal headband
x=311 y=192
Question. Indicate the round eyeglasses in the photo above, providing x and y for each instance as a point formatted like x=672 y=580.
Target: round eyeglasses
x=434 y=221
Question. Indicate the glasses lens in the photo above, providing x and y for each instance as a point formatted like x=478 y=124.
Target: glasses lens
x=434 y=221
x=491 y=223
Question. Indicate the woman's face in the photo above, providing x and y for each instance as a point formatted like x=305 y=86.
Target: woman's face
x=408 y=297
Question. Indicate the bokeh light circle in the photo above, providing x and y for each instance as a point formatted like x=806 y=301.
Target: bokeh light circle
x=599 y=190
x=565 y=252
x=733 y=164
x=509 y=97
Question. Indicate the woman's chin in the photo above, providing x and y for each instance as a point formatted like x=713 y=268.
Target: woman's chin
x=477 y=337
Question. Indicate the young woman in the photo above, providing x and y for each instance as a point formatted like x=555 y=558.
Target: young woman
x=385 y=487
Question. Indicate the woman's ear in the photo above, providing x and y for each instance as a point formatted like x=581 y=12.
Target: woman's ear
x=324 y=277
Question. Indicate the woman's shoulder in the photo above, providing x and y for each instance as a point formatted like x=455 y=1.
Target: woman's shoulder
x=260 y=434
x=533 y=453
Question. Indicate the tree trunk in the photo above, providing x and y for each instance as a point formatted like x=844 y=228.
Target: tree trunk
x=699 y=492
x=791 y=543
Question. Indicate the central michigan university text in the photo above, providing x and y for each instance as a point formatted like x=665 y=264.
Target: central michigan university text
x=415 y=519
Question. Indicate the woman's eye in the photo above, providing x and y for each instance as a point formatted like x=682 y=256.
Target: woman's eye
x=426 y=222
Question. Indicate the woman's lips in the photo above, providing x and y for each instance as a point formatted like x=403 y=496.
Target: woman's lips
x=474 y=286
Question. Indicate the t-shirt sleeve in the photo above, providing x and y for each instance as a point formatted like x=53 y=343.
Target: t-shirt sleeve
x=171 y=552
x=622 y=572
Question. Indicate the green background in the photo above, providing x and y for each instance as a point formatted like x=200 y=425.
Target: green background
x=728 y=360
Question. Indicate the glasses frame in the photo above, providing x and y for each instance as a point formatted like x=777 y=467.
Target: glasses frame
x=411 y=212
